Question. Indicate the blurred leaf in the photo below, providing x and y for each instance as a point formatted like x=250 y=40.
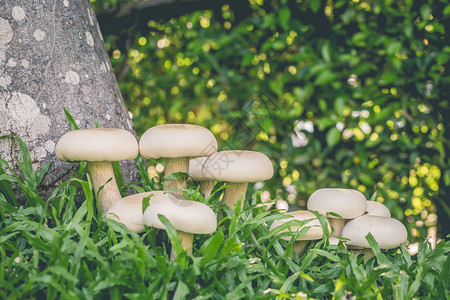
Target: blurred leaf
x=333 y=137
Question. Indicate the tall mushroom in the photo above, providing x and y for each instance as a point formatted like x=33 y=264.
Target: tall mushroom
x=345 y=202
x=237 y=168
x=195 y=171
x=388 y=232
x=187 y=217
x=99 y=147
x=177 y=143
x=314 y=231
x=128 y=210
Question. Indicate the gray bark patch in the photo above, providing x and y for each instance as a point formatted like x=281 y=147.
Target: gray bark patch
x=51 y=55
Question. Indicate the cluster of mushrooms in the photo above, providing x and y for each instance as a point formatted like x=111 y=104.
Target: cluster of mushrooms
x=187 y=148
x=193 y=149
x=351 y=216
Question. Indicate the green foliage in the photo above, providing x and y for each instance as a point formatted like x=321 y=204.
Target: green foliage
x=55 y=248
x=337 y=93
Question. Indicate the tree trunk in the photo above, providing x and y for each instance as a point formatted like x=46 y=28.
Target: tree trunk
x=52 y=56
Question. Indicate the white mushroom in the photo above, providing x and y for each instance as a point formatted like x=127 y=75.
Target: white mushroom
x=99 y=147
x=195 y=171
x=388 y=232
x=237 y=168
x=128 y=210
x=377 y=209
x=187 y=217
x=345 y=202
x=282 y=205
x=177 y=143
x=315 y=232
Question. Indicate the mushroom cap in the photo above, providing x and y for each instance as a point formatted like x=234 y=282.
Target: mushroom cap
x=375 y=208
x=195 y=168
x=238 y=166
x=315 y=232
x=184 y=215
x=345 y=202
x=177 y=140
x=388 y=232
x=97 y=144
x=128 y=210
x=282 y=205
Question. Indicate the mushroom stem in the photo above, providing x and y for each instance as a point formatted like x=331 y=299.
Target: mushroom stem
x=300 y=246
x=186 y=240
x=174 y=165
x=206 y=187
x=232 y=194
x=100 y=173
x=337 y=224
x=368 y=254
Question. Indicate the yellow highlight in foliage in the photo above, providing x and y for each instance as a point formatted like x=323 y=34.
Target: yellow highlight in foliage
x=175 y=90
x=358 y=133
x=116 y=54
x=373 y=137
x=263 y=136
x=210 y=83
x=287 y=181
x=204 y=22
x=413 y=181
x=292 y=70
x=434 y=186
x=417 y=203
x=418 y=191
x=146 y=101
x=361 y=188
x=224 y=136
x=283 y=164
x=216 y=128
x=191 y=117
x=295 y=175
x=422 y=171
x=142 y=41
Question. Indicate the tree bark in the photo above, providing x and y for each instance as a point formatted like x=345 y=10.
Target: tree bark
x=52 y=56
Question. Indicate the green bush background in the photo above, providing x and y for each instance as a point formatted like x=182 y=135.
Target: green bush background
x=365 y=82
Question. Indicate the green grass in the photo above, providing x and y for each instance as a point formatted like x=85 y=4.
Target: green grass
x=56 y=248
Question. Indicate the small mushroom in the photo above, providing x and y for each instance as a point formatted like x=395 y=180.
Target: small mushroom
x=177 y=143
x=128 y=210
x=99 y=147
x=345 y=202
x=187 y=217
x=375 y=208
x=195 y=171
x=282 y=205
x=388 y=232
x=315 y=232
x=237 y=168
